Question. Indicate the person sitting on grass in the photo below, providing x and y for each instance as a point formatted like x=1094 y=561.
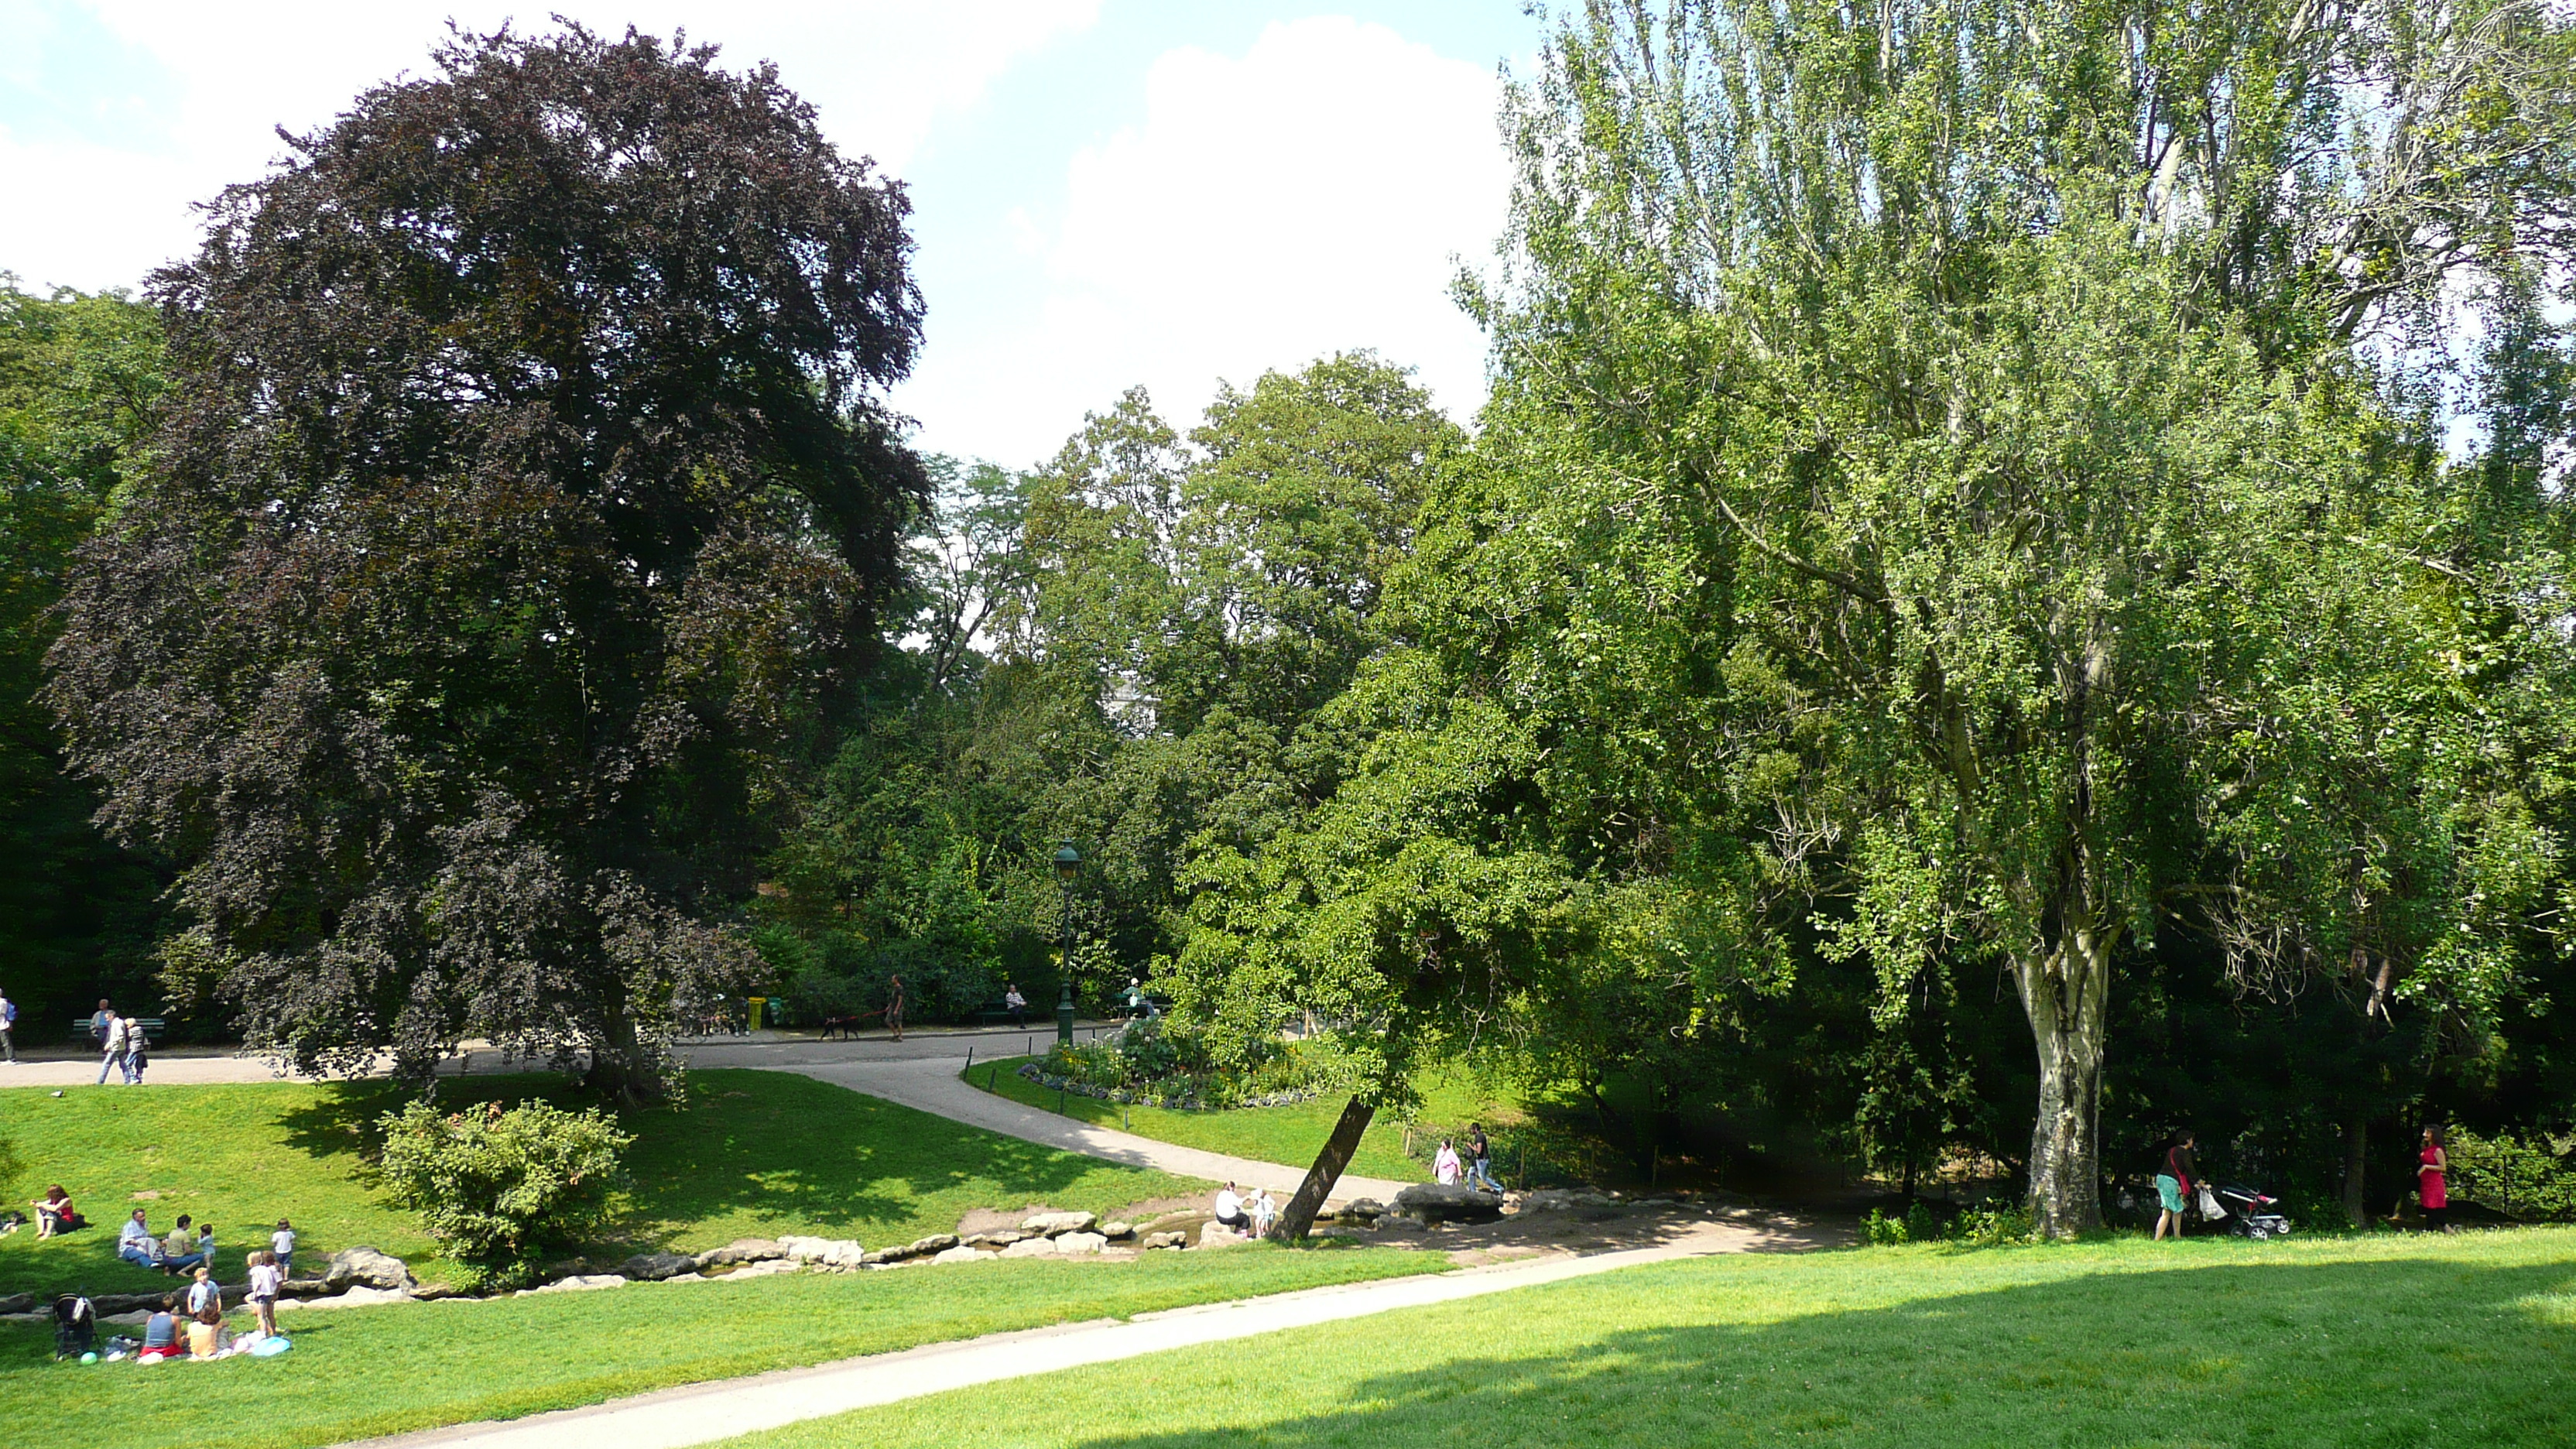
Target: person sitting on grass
x=179 y=1250
x=135 y=1243
x=206 y=1336
x=55 y=1213
x=161 y=1331
x=1229 y=1210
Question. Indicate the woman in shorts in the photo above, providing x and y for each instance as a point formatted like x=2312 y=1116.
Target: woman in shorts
x=2173 y=1185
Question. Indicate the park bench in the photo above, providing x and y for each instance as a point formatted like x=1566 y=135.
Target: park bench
x=994 y=1013
x=152 y=1026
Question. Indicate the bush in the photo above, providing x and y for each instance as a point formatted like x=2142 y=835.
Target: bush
x=1919 y=1225
x=498 y=1189
x=1992 y=1227
x=2534 y=1179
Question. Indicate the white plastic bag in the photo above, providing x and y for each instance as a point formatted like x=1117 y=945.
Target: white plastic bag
x=2209 y=1207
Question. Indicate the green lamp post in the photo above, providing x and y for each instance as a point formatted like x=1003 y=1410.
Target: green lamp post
x=1068 y=864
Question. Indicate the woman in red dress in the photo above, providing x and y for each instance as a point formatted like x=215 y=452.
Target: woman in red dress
x=2430 y=1167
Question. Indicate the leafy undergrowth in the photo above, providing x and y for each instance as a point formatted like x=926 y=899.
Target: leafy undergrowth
x=2381 y=1341
x=361 y=1372
x=741 y=1154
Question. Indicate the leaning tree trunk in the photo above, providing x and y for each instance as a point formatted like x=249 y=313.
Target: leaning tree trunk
x=2066 y=994
x=1298 y=1218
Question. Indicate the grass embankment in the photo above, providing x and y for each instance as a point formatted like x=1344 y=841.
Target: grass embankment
x=1290 y=1135
x=2379 y=1341
x=360 y=1372
x=740 y=1154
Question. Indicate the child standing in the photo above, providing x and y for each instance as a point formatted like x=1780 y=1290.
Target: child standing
x=282 y=1243
x=264 y=1278
x=206 y=1244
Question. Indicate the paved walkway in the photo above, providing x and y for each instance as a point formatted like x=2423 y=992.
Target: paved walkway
x=919 y=1072
x=706 y=1413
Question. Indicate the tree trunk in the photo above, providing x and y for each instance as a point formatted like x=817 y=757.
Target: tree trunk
x=1298 y=1219
x=2065 y=994
x=2356 y=1156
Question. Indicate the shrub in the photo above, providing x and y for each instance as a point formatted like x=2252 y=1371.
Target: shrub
x=1992 y=1227
x=1884 y=1231
x=2532 y=1179
x=499 y=1189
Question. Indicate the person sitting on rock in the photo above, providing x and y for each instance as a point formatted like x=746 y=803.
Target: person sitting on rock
x=1444 y=1165
x=1229 y=1210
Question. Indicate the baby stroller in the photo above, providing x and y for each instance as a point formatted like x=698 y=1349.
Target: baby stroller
x=75 y=1327
x=2251 y=1214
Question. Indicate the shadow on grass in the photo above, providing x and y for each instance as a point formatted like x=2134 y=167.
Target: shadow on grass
x=770 y=1146
x=2344 y=1355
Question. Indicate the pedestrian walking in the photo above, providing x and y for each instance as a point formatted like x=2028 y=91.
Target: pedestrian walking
x=138 y=1048
x=2173 y=1184
x=1444 y=1164
x=109 y=1028
x=894 y=1006
x=2432 y=1180
x=1480 y=1159
x=9 y=1028
x=281 y=1248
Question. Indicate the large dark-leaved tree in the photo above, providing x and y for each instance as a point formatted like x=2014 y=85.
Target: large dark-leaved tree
x=523 y=498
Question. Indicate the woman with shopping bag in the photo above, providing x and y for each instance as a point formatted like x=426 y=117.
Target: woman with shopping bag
x=2174 y=1184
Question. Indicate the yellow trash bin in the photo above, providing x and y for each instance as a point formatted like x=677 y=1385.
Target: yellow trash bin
x=757 y=1003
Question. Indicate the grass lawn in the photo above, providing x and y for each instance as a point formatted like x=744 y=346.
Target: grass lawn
x=2320 y=1344
x=361 y=1372
x=1290 y=1135
x=743 y=1154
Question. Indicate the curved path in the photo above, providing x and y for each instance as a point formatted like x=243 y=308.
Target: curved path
x=707 y=1413
x=918 y=1072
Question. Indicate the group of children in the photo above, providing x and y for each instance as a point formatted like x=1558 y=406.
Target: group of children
x=193 y=1326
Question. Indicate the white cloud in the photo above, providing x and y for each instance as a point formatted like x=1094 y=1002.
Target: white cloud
x=1304 y=198
x=879 y=72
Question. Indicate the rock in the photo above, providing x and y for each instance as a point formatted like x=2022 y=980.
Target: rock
x=654 y=1267
x=19 y=1303
x=1002 y=1239
x=137 y=1318
x=741 y=1250
x=1116 y=1231
x=298 y=1288
x=765 y=1268
x=1399 y=1223
x=1080 y=1243
x=36 y=1318
x=1363 y=1210
x=582 y=1283
x=106 y=1303
x=830 y=1252
x=1218 y=1235
x=1052 y=1224
x=960 y=1254
x=360 y=1296
x=430 y=1292
x=1167 y=1240
x=1435 y=1202
x=935 y=1243
x=365 y=1267
x=686 y=1278
x=1030 y=1248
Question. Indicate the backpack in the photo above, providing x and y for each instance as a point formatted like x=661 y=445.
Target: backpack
x=8 y=1013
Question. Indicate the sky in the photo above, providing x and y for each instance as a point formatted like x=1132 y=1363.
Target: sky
x=1106 y=192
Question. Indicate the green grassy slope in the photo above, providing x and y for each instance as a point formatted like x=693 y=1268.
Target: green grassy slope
x=1291 y=1135
x=360 y=1372
x=742 y=1154
x=2323 y=1344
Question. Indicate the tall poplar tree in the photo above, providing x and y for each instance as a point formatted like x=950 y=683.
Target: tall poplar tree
x=1982 y=449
